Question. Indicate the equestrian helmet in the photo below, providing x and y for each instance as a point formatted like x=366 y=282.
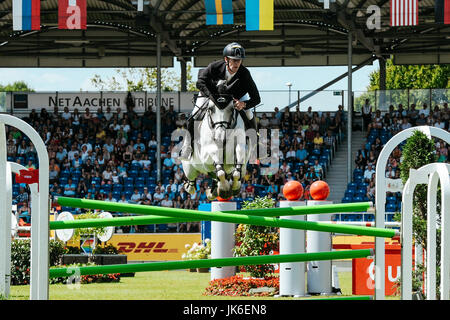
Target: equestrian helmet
x=234 y=51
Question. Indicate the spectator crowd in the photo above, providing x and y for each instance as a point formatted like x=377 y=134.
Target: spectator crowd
x=111 y=156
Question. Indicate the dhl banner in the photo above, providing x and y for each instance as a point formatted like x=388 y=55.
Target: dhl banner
x=154 y=247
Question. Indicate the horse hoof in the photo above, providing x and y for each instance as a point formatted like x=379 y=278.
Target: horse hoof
x=210 y=195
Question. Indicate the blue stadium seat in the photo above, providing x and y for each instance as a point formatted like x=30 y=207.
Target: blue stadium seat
x=347 y=199
x=128 y=180
x=163 y=227
x=133 y=173
x=358 y=199
x=139 y=180
x=118 y=187
x=116 y=195
x=391 y=207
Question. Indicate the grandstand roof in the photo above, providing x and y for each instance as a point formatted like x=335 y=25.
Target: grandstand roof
x=305 y=34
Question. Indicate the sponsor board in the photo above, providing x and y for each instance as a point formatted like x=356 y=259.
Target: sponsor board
x=154 y=246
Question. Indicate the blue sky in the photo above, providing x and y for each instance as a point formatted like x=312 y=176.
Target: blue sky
x=302 y=78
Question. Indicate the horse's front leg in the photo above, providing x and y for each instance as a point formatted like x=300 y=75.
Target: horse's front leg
x=237 y=172
x=223 y=186
x=189 y=186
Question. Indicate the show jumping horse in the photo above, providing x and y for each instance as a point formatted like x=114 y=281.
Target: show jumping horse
x=220 y=147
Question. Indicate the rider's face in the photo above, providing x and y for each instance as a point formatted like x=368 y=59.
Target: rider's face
x=233 y=64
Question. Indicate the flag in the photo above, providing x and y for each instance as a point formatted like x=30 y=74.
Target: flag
x=258 y=15
x=442 y=11
x=72 y=14
x=218 y=12
x=404 y=13
x=29 y=176
x=26 y=14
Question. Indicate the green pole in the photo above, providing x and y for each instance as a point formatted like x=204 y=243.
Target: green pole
x=208 y=263
x=303 y=210
x=115 y=222
x=225 y=217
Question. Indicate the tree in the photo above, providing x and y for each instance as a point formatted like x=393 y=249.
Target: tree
x=418 y=151
x=412 y=77
x=399 y=78
x=16 y=86
x=143 y=79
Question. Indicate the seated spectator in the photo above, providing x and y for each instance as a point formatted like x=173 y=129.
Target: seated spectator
x=70 y=188
x=422 y=120
x=371 y=191
x=290 y=155
x=136 y=196
x=264 y=122
x=311 y=175
x=166 y=202
x=168 y=162
x=53 y=171
x=368 y=173
x=107 y=174
x=318 y=169
x=158 y=196
x=301 y=154
x=146 y=197
x=405 y=124
x=110 y=198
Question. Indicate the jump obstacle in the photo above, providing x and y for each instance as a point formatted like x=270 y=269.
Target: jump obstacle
x=39 y=255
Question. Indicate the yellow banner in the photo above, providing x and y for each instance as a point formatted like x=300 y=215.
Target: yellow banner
x=154 y=247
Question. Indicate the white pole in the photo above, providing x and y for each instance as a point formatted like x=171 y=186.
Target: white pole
x=430 y=286
x=292 y=274
x=319 y=272
x=5 y=218
x=222 y=240
x=39 y=217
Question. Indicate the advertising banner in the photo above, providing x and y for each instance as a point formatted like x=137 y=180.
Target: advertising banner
x=154 y=247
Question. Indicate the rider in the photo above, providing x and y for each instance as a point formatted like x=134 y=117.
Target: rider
x=229 y=69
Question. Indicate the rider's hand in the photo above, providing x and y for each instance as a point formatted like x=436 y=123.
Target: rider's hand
x=239 y=105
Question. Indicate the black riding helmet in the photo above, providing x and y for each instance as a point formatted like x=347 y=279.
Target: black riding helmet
x=234 y=51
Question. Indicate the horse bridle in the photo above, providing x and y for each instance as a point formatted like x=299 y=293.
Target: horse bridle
x=226 y=124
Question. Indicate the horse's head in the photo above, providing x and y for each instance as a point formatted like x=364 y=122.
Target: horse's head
x=221 y=110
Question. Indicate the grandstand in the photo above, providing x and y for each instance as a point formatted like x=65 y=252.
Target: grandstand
x=111 y=156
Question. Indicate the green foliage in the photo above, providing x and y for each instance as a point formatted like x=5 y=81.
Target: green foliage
x=88 y=231
x=16 y=86
x=417 y=152
x=143 y=79
x=399 y=78
x=256 y=240
x=106 y=249
x=412 y=76
x=20 y=259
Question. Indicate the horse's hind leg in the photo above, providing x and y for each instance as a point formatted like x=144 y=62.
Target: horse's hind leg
x=191 y=175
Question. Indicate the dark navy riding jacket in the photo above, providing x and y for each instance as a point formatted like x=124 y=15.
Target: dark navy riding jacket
x=215 y=71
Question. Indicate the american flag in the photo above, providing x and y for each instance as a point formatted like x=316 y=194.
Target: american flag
x=404 y=13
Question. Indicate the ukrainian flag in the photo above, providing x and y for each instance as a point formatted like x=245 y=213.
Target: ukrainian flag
x=258 y=15
x=219 y=12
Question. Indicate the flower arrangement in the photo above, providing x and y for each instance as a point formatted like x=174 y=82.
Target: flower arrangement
x=256 y=240
x=198 y=251
x=239 y=286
